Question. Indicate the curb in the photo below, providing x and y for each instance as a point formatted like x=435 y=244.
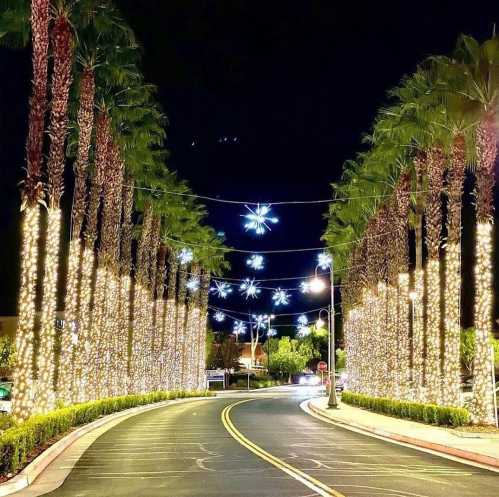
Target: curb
x=439 y=448
x=29 y=474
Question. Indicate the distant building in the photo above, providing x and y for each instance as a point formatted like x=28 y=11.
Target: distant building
x=245 y=357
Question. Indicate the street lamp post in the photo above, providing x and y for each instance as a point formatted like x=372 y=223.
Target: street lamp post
x=333 y=401
x=317 y=285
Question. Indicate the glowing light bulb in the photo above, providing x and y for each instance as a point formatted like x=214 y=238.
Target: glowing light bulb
x=317 y=285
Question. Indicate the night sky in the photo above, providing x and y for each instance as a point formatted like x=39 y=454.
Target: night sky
x=295 y=82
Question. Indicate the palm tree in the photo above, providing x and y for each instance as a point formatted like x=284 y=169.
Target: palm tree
x=31 y=197
x=62 y=37
x=480 y=85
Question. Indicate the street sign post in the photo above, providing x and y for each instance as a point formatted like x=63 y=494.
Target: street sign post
x=322 y=366
x=214 y=375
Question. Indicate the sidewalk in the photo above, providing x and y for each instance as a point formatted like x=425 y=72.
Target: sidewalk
x=479 y=450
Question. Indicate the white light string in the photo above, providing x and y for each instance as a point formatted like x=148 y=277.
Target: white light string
x=282 y=251
x=283 y=202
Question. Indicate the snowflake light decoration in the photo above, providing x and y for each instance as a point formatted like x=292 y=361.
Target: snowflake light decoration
x=305 y=286
x=324 y=260
x=221 y=289
x=250 y=288
x=239 y=328
x=260 y=321
x=281 y=297
x=255 y=262
x=303 y=331
x=302 y=320
x=185 y=256
x=219 y=316
x=258 y=219
x=193 y=285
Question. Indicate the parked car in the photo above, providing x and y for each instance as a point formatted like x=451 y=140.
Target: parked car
x=5 y=397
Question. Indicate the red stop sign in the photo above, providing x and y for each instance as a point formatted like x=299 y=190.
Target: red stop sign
x=322 y=366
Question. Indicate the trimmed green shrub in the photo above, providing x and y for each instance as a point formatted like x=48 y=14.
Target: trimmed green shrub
x=425 y=413
x=18 y=442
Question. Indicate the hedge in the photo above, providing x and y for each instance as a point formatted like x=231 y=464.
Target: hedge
x=425 y=413
x=19 y=442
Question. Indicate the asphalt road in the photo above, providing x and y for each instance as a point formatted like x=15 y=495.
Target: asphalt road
x=185 y=450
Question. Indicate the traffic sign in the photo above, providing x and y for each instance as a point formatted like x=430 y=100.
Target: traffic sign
x=322 y=366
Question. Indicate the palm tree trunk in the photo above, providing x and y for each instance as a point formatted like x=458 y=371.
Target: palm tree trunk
x=192 y=320
x=451 y=394
x=418 y=331
x=483 y=392
x=92 y=301
x=151 y=332
x=61 y=82
x=402 y=199
x=168 y=374
x=202 y=329
x=159 y=318
x=434 y=226
x=140 y=303
x=22 y=393
x=125 y=287
x=85 y=125
x=180 y=337
x=110 y=247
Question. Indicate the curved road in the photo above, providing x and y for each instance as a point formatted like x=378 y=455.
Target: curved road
x=186 y=450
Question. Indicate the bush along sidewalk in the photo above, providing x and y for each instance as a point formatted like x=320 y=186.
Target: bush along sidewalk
x=425 y=413
x=19 y=443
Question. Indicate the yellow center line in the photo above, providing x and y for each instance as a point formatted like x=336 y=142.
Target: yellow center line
x=315 y=485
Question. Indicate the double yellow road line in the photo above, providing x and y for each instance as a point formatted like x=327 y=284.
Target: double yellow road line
x=307 y=480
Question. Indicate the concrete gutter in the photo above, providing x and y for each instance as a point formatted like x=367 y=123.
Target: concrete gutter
x=482 y=459
x=29 y=474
